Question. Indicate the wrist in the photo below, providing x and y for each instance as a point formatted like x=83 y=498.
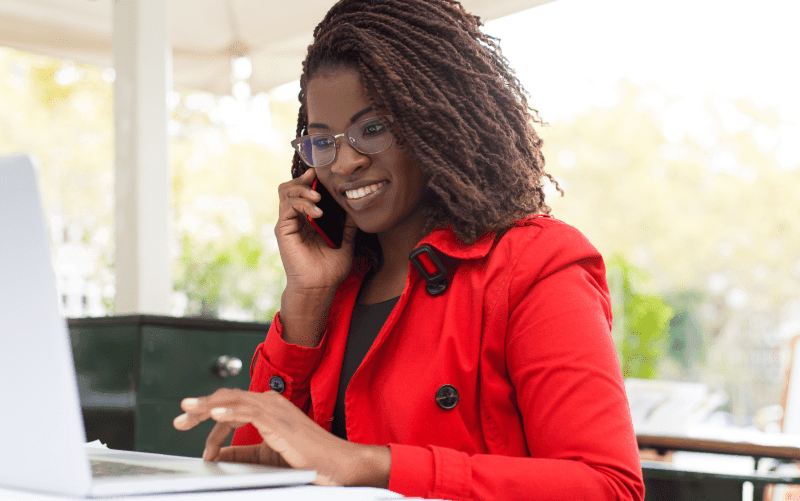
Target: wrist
x=373 y=466
x=304 y=315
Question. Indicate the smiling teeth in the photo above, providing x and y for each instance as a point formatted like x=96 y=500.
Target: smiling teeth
x=364 y=190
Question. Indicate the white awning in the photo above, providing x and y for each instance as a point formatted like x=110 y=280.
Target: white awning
x=204 y=34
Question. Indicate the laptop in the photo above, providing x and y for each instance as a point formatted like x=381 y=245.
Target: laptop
x=41 y=428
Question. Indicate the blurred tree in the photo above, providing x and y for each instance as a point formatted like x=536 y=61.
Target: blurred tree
x=701 y=193
x=225 y=198
x=62 y=113
x=641 y=329
x=215 y=276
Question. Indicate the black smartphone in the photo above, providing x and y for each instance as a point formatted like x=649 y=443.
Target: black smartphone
x=331 y=224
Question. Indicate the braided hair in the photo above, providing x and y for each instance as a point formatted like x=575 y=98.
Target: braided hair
x=461 y=112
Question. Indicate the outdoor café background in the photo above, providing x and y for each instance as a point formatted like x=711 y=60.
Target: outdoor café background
x=689 y=187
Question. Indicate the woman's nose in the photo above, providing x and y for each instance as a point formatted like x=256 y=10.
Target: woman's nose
x=348 y=159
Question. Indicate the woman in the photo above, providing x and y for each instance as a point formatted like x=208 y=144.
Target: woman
x=480 y=368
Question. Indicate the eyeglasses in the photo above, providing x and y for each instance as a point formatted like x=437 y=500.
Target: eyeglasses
x=370 y=136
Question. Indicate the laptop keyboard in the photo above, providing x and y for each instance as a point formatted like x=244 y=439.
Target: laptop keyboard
x=103 y=468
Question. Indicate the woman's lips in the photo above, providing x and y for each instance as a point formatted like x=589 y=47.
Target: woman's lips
x=363 y=191
x=365 y=196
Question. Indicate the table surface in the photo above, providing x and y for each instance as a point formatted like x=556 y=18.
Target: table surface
x=297 y=493
x=769 y=447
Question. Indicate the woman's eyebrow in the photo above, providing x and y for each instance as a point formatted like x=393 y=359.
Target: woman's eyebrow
x=352 y=119
x=359 y=114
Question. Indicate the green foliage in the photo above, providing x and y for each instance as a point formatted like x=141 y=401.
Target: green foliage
x=700 y=191
x=225 y=201
x=641 y=321
x=203 y=275
x=62 y=113
x=240 y=274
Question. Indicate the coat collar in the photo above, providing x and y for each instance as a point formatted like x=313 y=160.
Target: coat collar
x=446 y=242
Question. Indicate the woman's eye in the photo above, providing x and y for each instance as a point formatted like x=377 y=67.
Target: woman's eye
x=322 y=142
x=373 y=128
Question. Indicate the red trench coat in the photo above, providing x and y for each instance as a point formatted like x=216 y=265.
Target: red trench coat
x=523 y=334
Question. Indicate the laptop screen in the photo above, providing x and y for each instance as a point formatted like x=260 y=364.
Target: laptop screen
x=45 y=429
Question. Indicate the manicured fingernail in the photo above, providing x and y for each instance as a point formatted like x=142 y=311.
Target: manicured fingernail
x=181 y=419
x=219 y=411
x=190 y=402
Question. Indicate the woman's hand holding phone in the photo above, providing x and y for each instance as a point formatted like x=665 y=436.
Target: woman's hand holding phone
x=313 y=269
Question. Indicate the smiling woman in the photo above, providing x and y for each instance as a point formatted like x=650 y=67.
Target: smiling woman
x=457 y=344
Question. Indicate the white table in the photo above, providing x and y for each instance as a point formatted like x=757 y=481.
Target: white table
x=297 y=493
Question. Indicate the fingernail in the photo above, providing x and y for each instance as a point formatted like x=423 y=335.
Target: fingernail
x=219 y=411
x=181 y=419
x=205 y=454
x=314 y=193
x=190 y=402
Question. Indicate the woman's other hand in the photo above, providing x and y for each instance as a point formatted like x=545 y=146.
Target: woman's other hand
x=290 y=438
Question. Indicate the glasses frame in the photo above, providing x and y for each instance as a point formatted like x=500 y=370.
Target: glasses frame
x=351 y=140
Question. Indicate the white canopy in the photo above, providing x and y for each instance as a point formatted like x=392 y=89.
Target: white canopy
x=204 y=34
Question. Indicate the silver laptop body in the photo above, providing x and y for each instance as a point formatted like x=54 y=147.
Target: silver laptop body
x=41 y=428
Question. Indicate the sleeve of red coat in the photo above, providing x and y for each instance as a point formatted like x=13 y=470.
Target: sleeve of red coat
x=291 y=363
x=562 y=362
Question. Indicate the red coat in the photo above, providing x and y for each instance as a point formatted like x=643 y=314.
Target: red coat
x=523 y=334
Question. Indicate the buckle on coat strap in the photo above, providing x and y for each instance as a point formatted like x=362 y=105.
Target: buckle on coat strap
x=431 y=268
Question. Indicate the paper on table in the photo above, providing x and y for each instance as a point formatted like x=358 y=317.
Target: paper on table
x=96 y=444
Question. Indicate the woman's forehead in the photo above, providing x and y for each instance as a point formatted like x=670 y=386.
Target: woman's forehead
x=333 y=96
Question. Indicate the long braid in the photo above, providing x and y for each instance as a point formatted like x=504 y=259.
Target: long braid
x=461 y=111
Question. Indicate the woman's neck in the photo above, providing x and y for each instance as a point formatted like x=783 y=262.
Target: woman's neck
x=398 y=242
x=388 y=281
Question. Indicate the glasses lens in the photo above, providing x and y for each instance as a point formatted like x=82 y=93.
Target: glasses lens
x=370 y=136
x=317 y=150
